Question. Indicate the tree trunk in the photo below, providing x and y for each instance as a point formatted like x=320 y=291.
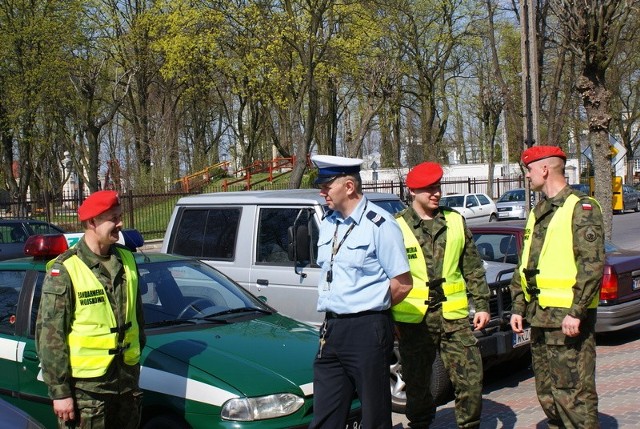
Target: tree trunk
x=595 y=98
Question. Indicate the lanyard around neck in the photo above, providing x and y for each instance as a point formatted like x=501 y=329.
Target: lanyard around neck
x=335 y=247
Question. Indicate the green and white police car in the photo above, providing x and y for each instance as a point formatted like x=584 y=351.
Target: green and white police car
x=216 y=356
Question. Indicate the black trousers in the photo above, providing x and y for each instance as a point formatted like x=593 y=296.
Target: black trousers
x=355 y=358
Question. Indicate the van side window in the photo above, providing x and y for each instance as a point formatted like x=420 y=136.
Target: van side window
x=273 y=239
x=207 y=233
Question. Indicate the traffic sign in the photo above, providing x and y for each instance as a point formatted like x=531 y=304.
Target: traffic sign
x=618 y=151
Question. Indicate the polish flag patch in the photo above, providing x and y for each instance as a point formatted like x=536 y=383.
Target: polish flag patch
x=55 y=272
x=587 y=206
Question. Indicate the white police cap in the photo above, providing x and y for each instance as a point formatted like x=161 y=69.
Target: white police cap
x=330 y=167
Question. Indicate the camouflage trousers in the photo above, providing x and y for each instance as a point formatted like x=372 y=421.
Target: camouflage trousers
x=105 y=411
x=458 y=349
x=564 y=370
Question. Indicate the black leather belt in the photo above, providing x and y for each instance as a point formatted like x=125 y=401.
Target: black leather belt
x=332 y=315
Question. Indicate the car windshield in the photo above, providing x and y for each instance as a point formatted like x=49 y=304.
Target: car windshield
x=452 y=201
x=511 y=196
x=188 y=290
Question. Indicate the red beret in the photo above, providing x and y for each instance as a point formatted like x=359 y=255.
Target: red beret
x=536 y=153
x=98 y=203
x=423 y=175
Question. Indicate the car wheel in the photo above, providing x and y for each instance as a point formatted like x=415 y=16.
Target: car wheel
x=637 y=209
x=165 y=422
x=493 y=217
x=441 y=388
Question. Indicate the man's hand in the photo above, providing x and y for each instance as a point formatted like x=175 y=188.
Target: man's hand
x=63 y=409
x=516 y=323
x=400 y=287
x=480 y=320
x=570 y=326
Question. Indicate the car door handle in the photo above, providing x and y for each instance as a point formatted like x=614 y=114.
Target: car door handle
x=30 y=355
x=262 y=282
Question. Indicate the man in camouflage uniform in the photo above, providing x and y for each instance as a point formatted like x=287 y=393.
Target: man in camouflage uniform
x=445 y=265
x=89 y=330
x=556 y=288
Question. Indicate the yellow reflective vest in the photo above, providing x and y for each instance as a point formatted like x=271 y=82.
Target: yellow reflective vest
x=413 y=308
x=557 y=268
x=93 y=340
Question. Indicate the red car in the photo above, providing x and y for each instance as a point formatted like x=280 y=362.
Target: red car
x=619 y=306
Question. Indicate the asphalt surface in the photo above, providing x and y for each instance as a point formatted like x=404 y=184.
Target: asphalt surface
x=509 y=399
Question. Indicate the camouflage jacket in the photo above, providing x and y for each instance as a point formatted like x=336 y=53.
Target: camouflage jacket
x=432 y=236
x=54 y=322
x=588 y=249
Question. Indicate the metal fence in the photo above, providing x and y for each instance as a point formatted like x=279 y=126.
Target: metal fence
x=149 y=212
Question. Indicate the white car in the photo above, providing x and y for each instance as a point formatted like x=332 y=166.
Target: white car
x=511 y=205
x=475 y=208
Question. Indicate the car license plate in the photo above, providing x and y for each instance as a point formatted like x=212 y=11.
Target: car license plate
x=522 y=339
x=636 y=283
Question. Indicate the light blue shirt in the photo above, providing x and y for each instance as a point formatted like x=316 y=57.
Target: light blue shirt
x=371 y=255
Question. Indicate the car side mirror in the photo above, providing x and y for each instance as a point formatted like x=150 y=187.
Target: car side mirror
x=298 y=249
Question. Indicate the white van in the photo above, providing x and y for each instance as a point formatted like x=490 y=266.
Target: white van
x=246 y=235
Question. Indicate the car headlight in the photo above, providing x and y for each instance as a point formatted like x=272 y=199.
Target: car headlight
x=260 y=408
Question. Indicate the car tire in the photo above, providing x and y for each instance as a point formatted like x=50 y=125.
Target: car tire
x=441 y=387
x=637 y=208
x=165 y=422
x=493 y=217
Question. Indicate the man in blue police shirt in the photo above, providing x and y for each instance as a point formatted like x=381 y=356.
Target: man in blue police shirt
x=364 y=271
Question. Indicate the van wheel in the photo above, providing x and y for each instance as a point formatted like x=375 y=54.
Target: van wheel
x=166 y=422
x=441 y=388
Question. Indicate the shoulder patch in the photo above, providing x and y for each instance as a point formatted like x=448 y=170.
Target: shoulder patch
x=375 y=217
x=590 y=235
x=587 y=206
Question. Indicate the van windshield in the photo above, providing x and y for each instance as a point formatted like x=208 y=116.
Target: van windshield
x=392 y=206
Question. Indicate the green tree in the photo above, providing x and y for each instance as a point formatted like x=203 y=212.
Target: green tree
x=34 y=88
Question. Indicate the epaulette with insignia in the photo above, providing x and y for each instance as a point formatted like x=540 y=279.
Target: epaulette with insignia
x=375 y=217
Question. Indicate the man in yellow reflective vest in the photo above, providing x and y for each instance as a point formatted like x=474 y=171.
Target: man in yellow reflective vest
x=434 y=317
x=556 y=288
x=89 y=330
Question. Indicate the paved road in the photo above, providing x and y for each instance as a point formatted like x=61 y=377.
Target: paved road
x=626 y=230
x=510 y=402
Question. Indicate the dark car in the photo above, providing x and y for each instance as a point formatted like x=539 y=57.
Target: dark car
x=12 y=417
x=630 y=198
x=14 y=233
x=619 y=306
x=584 y=188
